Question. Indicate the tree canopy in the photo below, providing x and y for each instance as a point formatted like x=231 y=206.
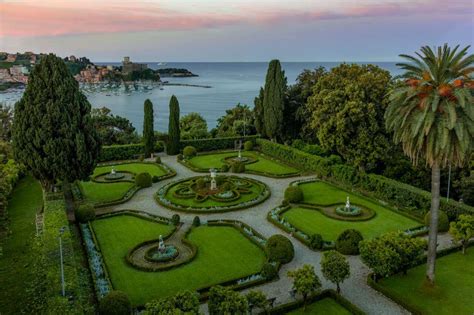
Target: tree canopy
x=193 y=126
x=237 y=121
x=112 y=129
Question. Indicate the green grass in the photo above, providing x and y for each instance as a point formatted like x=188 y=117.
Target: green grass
x=312 y=221
x=136 y=168
x=26 y=200
x=323 y=307
x=454 y=290
x=223 y=254
x=264 y=164
x=105 y=192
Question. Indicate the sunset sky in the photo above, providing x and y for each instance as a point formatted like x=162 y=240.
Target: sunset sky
x=238 y=30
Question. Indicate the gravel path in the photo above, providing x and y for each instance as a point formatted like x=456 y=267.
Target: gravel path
x=355 y=289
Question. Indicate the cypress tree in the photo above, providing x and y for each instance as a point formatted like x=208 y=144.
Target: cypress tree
x=53 y=135
x=274 y=100
x=258 y=113
x=148 y=132
x=173 y=128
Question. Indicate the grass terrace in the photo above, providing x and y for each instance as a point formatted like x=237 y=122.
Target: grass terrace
x=325 y=195
x=224 y=254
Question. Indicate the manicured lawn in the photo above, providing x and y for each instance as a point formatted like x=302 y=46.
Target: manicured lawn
x=223 y=254
x=104 y=192
x=454 y=291
x=26 y=200
x=136 y=168
x=323 y=307
x=264 y=164
x=312 y=221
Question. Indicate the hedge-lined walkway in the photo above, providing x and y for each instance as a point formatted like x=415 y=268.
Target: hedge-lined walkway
x=354 y=289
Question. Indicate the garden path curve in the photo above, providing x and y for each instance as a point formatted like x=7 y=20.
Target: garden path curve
x=355 y=289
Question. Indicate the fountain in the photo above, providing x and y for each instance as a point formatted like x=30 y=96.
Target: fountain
x=348 y=210
x=114 y=175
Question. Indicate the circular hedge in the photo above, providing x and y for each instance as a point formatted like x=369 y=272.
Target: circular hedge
x=189 y=151
x=269 y=271
x=85 y=213
x=443 y=221
x=143 y=180
x=248 y=145
x=115 y=303
x=279 y=248
x=347 y=242
x=294 y=194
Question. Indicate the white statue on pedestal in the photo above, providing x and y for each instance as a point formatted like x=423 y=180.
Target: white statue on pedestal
x=213 y=179
x=161 y=244
x=113 y=170
x=348 y=204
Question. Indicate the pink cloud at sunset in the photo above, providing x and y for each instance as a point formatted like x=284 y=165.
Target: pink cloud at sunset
x=52 y=18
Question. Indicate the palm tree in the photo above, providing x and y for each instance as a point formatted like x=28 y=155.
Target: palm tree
x=431 y=114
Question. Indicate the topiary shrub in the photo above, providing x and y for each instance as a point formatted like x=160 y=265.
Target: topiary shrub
x=248 y=145
x=347 y=242
x=443 y=221
x=189 y=152
x=115 y=303
x=269 y=271
x=225 y=168
x=285 y=202
x=238 y=167
x=175 y=219
x=143 y=180
x=200 y=183
x=279 y=248
x=85 y=213
x=196 y=221
x=316 y=241
x=141 y=158
x=294 y=194
x=155 y=179
x=158 y=160
x=179 y=157
x=226 y=186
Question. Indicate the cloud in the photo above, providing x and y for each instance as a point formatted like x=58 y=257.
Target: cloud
x=52 y=18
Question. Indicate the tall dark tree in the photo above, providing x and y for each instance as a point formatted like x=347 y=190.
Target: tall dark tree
x=6 y=120
x=53 y=135
x=174 y=134
x=258 y=113
x=274 y=100
x=148 y=132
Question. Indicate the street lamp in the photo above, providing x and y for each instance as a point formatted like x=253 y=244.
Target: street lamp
x=63 y=289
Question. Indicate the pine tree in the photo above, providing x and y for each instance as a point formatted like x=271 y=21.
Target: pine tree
x=258 y=113
x=53 y=134
x=148 y=133
x=173 y=127
x=274 y=100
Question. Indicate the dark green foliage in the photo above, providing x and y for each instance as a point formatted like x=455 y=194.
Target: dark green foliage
x=141 y=158
x=274 y=100
x=6 y=121
x=189 y=152
x=248 y=145
x=225 y=168
x=200 y=183
x=113 y=129
x=53 y=134
x=158 y=160
x=269 y=271
x=155 y=179
x=175 y=219
x=180 y=157
x=143 y=180
x=443 y=221
x=226 y=186
x=193 y=126
x=238 y=167
x=174 y=134
x=294 y=194
x=279 y=248
x=125 y=152
x=237 y=121
x=258 y=113
x=182 y=303
x=335 y=268
x=316 y=241
x=223 y=300
x=115 y=303
x=196 y=221
x=257 y=300
x=347 y=242
x=148 y=129
x=85 y=213
x=214 y=144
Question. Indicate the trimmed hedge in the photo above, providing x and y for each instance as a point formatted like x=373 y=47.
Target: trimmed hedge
x=280 y=249
x=294 y=194
x=143 y=180
x=213 y=144
x=115 y=303
x=443 y=221
x=412 y=200
x=347 y=242
x=189 y=151
x=85 y=213
x=125 y=151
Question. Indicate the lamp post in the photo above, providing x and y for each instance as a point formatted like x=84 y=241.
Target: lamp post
x=63 y=286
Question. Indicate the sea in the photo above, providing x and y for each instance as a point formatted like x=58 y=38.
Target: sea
x=230 y=83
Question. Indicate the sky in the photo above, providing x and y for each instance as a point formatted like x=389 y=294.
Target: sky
x=234 y=30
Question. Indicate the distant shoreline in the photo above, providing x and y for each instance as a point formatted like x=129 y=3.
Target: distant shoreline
x=190 y=85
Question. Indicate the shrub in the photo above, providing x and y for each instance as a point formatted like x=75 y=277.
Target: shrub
x=279 y=248
x=443 y=221
x=294 y=194
x=316 y=241
x=141 y=158
x=220 y=180
x=196 y=221
x=143 y=180
x=158 y=160
x=115 y=303
x=189 y=152
x=225 y=167
x=269 y=271
x=238 y=167
x=285 y=202
x=175 y=219
x=85 y=213
x=226 y=186
x=200 y=183
x=120 y=152
x=248 y=145
x=213 y=144
x=155 y=179
x=347 y=242
x=179 y=157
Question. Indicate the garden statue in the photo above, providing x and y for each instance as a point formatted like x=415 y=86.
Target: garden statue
x=112 y=172
x=348 y=204
x=213 y=179
x=161 y=245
